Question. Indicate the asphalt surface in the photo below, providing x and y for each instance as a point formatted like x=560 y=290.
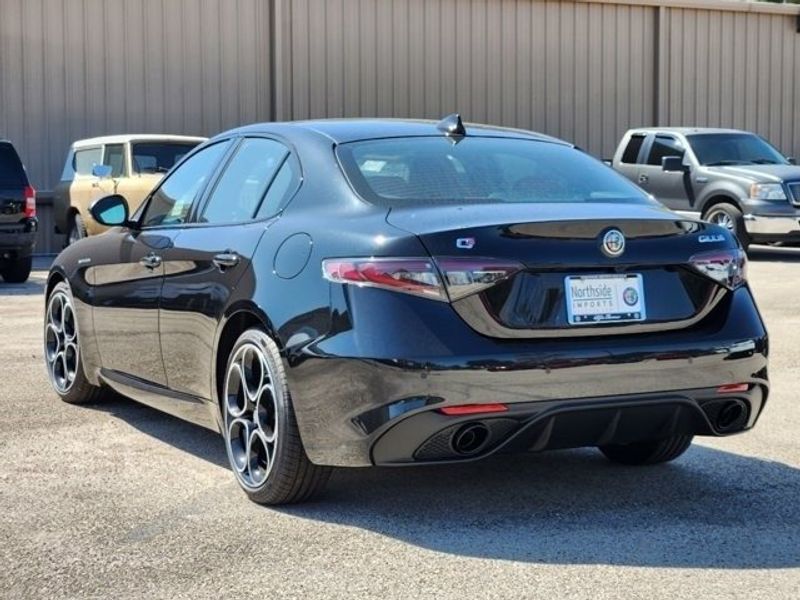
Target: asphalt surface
x=119 y=501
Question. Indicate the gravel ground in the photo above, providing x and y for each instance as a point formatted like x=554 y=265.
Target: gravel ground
x=119 y=501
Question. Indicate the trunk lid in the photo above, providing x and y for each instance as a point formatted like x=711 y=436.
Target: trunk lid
x=559 y=247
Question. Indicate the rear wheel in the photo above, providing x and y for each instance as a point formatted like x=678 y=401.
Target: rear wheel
x=730 y=217
x=17 y=271
x=648 y=453
x=62 y=350
x=261 y=434
x=77 y=229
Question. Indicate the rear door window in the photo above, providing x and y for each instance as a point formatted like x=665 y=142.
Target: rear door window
x=631 y=153
x=663 y=146
x=12 y=174
x=241 y=187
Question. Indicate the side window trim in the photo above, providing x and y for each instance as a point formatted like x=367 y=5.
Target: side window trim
x=202 y=200
x=137 y=217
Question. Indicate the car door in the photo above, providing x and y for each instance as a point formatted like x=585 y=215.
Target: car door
x=210 y=260
x=128 y=276
x=670 y=188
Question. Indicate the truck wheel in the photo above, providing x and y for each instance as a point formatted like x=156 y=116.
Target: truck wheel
x=648 y=453
x=17 y=271
x=727 y=215
x=77 y=229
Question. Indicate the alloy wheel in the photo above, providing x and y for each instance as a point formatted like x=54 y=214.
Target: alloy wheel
x=251 y=416
x=61 y=342
x=723 y=219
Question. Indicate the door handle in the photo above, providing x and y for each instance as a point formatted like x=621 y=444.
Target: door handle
x=643 y=178
x=226 y=260
x=151 y=261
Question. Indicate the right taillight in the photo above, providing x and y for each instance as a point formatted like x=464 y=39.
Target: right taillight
x=30 y=201
x=727 y=267
x=443 y=279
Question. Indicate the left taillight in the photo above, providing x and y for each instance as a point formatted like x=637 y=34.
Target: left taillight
x=30 y=201
x=444 y=279
x=727 y=267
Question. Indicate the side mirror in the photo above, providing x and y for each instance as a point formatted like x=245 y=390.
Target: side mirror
x=792 y=160
x=673 y=164
x=110 y=210
x=102 y=171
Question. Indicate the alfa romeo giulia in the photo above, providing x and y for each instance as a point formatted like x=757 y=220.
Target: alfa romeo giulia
x=387 y=292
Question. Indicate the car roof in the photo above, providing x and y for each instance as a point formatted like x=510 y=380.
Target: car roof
x=686 y=130
x=129 y=137
x=341 y=131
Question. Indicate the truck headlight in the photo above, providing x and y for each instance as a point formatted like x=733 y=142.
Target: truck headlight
x=767 y=191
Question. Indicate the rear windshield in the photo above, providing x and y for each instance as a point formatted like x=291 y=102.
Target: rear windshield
x=11 y=172
x=437 y=170
x=158 y=157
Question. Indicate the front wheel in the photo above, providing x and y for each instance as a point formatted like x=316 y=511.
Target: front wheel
x=261 y=434
x=62 y=349
x=730 y=217
x=648 y=453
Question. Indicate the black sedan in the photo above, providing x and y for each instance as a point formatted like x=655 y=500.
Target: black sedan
x=384 y=292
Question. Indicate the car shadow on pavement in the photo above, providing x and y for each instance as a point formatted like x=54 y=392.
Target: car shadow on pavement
x=33 y=287
x=777 y=254
x=708 y=509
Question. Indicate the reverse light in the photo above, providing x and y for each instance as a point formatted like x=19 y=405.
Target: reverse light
x=30 y=201
x=726 y=267
x=443 y=279
x=767 y=191
x=473 y=409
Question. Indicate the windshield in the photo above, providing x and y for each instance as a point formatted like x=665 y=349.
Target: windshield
x=439 y=170
x=11 y=172
x=721 y=149
x=158 y=157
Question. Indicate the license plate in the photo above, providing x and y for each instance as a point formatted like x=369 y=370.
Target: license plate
x=595 y=299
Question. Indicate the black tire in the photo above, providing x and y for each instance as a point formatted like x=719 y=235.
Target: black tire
x=648 y=453
x=288 y=476
x=77 y=229
x=79 y=390
x=729 y=216
x=17 y=271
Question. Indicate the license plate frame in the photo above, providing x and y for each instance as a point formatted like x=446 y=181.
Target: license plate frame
x=605 y=299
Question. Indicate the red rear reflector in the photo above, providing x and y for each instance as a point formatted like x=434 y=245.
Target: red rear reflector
x=732 y=388
x=30 y=201
x=472 y=409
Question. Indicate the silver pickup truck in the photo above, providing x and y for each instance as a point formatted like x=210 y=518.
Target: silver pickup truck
x=729 y=177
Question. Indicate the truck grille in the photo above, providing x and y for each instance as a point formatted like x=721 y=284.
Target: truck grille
x=794 y=190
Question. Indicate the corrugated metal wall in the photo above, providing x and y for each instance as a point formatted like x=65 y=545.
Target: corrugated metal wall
x=71 y=69
x=583 y=70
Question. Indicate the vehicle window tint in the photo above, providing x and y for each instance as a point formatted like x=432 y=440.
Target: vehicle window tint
x=725 y=149
x=170 y=203
x=433 y=170
x=115 y=158
x=663 y=146
x=158 y=157
x=84 y=160
x=631 y=153
x=11 y=170
x=242 y=185
x=283 y=186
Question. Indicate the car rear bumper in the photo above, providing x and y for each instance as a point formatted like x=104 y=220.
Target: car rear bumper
x=373 y=397
x=18 y=238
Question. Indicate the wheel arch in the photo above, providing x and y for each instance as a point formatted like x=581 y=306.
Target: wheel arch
x=719 y=197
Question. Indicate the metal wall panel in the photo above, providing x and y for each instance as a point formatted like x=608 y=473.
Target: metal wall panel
x=580 y=71
x=71 y=69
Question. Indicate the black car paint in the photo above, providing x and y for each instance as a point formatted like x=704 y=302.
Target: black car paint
x=17 y=231
x=156 y=333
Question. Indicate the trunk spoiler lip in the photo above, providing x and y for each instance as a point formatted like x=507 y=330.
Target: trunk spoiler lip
x=423 y=220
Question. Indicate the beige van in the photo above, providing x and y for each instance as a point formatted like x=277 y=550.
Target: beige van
x=129 y=165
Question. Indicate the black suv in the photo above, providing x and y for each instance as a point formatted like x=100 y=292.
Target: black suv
x=18 y=223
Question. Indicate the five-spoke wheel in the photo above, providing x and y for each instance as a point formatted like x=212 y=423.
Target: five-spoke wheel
x=260 y=430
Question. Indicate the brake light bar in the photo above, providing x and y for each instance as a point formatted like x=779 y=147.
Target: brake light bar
x=473 y=409
x=733 y=388
x=30 y=201
x=440 y=279
x=727 y=267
